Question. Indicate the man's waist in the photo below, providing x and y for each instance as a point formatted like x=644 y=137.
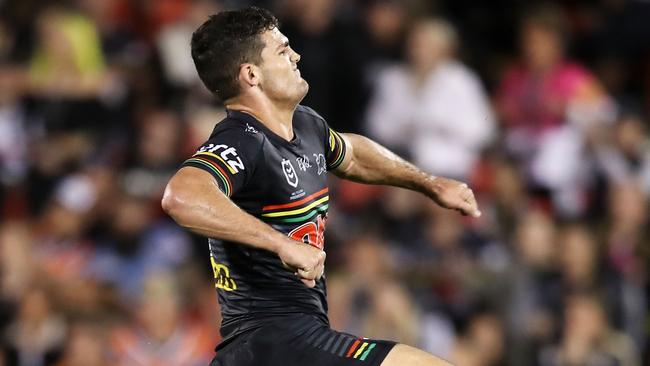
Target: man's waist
x=295 y=322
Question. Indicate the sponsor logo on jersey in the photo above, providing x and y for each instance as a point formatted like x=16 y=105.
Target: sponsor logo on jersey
x=289 y=173
x=297 y=194
x=222 y=277
x=225 y=154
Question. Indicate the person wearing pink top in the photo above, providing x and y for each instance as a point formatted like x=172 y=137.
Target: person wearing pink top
x=548 y=105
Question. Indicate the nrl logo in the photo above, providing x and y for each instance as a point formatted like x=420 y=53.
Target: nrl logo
x=289 y=173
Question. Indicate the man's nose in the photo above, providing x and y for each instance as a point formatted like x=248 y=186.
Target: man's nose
x=296 y=57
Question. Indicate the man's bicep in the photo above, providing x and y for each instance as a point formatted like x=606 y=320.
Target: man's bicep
x=211 y=170
x=191 y=183
x=188 y=189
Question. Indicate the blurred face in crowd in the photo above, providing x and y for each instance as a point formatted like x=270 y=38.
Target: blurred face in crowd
x=536 y=239
x=584 y=319
x=161 y=133
x=15 y=258
x=280 y=78
x=132 y=216
x=35 y=307
x=486 y=334
x=63 y=223
x=385 y=21
x=444 y=230
x=630 y=135
x=627 y=206
x=52 y=38
x=367 y=259
x=314 y=16
x=508 y=187
x=429 y=43
x=160 y=306
x=578 y=256
x=86 y=346
x=541 y=47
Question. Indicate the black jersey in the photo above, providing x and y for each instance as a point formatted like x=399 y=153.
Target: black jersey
x=283 y=183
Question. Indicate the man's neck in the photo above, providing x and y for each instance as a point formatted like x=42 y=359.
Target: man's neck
x=276 y=118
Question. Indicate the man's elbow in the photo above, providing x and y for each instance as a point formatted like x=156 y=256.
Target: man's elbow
x=171 y=202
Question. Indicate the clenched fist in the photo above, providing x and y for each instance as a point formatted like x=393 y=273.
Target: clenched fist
x=308 y=262
x=454 y=195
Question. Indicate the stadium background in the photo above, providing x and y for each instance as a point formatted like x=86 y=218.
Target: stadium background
x=542 y=108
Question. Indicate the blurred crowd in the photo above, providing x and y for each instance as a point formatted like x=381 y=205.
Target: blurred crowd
x=543 y=108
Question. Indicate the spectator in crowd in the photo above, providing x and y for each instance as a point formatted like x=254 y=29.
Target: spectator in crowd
x=36 y=336
x=548 y=105
x=627 y=157
x=150 y=166
x=483 y=343
x=433 y=108
x=86 y=345
x=138 y=244
x=16 y=260
x=535 y=293
x=626 y=255
x=588 y=339
x=161 y=335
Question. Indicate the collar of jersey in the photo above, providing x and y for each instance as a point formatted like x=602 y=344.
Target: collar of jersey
x=247 y=118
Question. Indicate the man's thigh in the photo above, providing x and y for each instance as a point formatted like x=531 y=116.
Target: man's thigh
x=403 y=355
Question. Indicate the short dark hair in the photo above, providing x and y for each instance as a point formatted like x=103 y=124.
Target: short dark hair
x=224 y=42
x=547 y=17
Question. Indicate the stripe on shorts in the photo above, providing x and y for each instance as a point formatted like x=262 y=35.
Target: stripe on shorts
x=360 y=350
x=353 y=347
x=321 y=339
x=330 y=341
x=314 y=333
x=336 y=345
x=365 y=354
x=347 y=342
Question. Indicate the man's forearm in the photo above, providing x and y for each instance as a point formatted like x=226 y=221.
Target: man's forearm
x=194 y=201
x=204 y=210
x=372 y=163
x=369 y=162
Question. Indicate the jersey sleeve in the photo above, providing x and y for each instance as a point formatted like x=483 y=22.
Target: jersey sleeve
x=335 y=148
x=229 y=156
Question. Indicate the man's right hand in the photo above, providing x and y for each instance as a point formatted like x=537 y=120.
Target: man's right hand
x=307 y=262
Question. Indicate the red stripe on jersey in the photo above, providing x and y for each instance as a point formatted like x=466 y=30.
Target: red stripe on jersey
x=297 y=203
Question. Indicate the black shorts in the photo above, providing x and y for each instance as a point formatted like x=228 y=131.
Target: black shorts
x=300 y=340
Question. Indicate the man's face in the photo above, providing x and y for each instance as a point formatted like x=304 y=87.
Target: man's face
x=541 y=47
x=426 y=47
x=281 y=78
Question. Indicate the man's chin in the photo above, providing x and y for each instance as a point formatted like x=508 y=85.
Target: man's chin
x=304 y=88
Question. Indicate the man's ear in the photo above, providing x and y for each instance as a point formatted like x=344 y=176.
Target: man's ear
x=249 y=75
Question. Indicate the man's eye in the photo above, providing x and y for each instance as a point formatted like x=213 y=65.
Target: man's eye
x=283 y=52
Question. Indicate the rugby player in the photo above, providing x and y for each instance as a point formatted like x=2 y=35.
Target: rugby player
x=258 y=190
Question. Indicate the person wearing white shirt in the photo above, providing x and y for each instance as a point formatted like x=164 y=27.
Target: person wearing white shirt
x=432 y=107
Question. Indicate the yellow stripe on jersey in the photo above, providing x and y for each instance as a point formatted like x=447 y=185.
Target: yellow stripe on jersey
x=231 y=169
x=298 y=211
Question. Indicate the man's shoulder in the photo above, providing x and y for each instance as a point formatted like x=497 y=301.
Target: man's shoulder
x=238 y=137
x=302 y=111
x=233 y=129
x=307 y=120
